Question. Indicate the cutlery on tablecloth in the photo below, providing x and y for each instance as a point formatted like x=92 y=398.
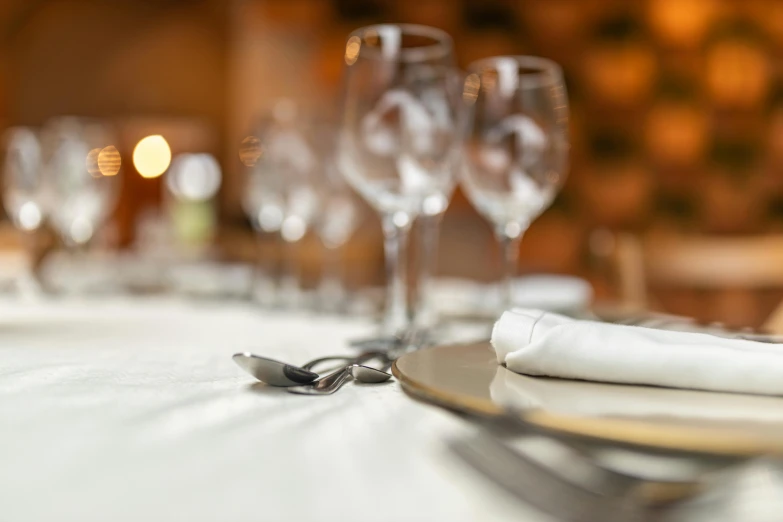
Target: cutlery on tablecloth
x=277 y=373
x=334 y=381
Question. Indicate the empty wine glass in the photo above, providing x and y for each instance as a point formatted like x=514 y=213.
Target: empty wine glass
x=516 y=145
x=281 y=194
x=24 y=192
x=399 y=136
x=263 y=198
x=431 y=216
x=339 y=213
x=263 y=201
x=83 y=176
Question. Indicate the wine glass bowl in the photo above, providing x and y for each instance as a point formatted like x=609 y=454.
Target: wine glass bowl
x=339 y=213
x=516 y=144
x=397 y=146
x=82 y=177
x=278 y=195
x=24 y=192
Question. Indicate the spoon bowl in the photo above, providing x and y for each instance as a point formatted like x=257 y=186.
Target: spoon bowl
x=334 y=381
x=272 y=372
x=369 y=375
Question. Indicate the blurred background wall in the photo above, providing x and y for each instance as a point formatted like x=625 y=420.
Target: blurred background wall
x=677 y=108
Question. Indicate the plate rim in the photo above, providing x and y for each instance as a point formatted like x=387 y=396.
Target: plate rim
x=630 y=432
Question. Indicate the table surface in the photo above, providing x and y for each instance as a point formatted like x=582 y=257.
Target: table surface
x=133 y=410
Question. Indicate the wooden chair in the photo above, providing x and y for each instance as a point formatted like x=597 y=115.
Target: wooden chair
x=738 y=264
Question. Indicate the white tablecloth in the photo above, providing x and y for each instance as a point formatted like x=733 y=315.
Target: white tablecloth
x=133 y=411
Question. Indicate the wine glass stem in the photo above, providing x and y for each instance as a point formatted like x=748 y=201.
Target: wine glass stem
x=264 y=283
x=396 y=229
x=510 y=246
x=331 y=288
x=290 y=287
x=428 y=259
x=30 y=284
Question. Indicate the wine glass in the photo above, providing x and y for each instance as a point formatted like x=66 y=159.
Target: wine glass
x=263 y=201
x=24 y=192
x=516 y=146
x=399 y=137
x=339 y=213
x=83 y=176
x=80 y=174
x=431 y=216
x=280 y=193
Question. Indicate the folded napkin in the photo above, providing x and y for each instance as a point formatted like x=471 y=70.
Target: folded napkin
x=534 y=342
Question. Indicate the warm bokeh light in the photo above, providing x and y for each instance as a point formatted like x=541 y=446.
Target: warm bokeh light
x=352 y=49
x=250 y=150
x=471 y=90
x=738 y=73
x=620 y=74
x=109 y=161
x=152 y=156
x=92 y=163
x=676 y=133
x=488 y=80
x=682 y=22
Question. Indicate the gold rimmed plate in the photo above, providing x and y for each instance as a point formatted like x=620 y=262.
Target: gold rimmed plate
x=468 y=378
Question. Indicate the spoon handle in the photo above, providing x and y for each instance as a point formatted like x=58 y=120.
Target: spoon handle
x=343 y=359
x=326 y=385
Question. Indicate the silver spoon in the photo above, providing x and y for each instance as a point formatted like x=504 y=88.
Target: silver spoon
x=277 y=373
x=335 y=380
x=369 y=375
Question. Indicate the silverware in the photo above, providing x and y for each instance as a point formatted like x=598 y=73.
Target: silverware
x=538 y=485
x=586 y=473
x=335 y=380
x=369 y=375
x=277 y=373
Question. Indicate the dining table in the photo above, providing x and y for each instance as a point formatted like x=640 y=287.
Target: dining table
x=131 y=408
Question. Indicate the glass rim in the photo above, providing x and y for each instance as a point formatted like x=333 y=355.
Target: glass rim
x=542 y=72
x=442 y=46
x=8 y=134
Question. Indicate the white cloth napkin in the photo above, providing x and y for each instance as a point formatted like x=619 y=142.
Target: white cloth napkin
x=534 y=342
